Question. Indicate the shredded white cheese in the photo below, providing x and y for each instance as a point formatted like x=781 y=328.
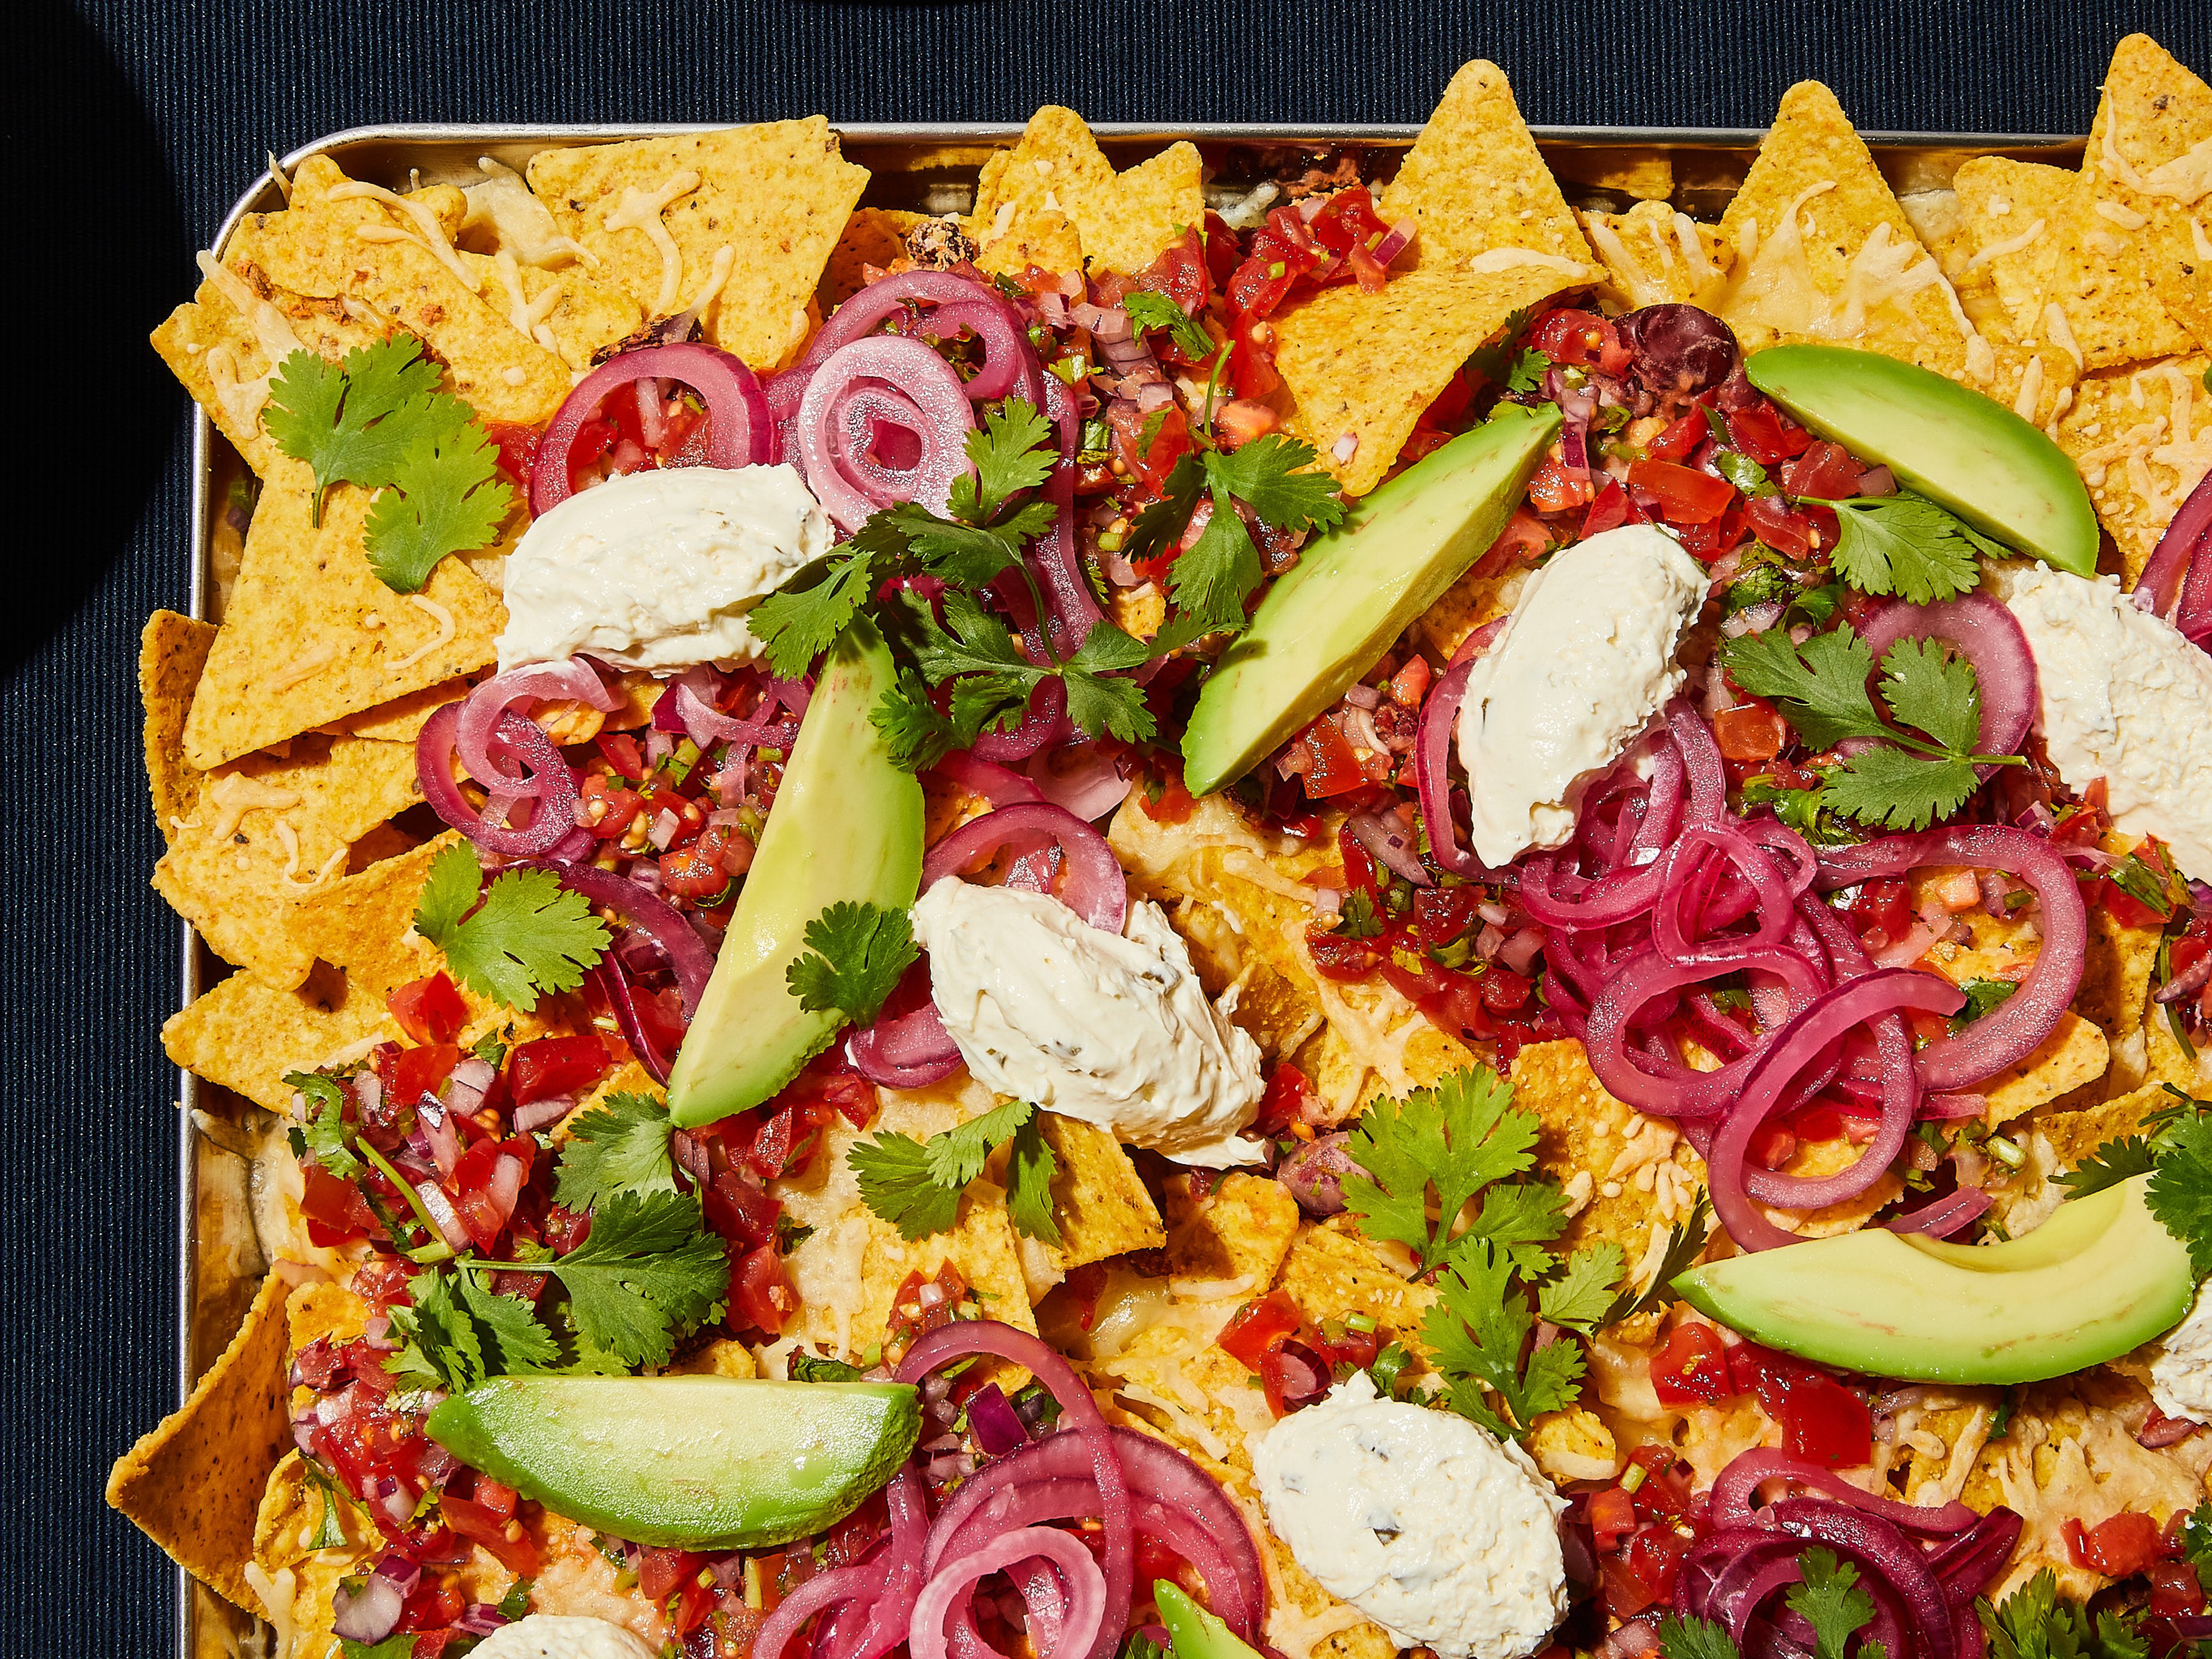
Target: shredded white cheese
x=2010 y=245
x=433 y=241
x=641 y=210
x=305 y=666
x=439 y=615
x=234 y=794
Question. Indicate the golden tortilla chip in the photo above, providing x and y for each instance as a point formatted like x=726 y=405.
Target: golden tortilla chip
x=268 y=832
x=246 y=1036
x=658 y=213
x=2075 y=1135
x=313 y=636
x=1631 y=1176
x=1046 y=240
x=2066 y=276
x=402 y=720
x=1653 y=255
x=1574 y=1444
x=1362 y=367
x=873 y=236
x=172 y=653
x=365 y=923
x=1646 y=174
x=723 y=1356
x=2142 y=440
x=2150 y=154
x=1333 y=1270
x=193 y=1485
x=1100 y=1203
x=564 y=311
x=332 y=244
x=1474 y=185
x=1824 y=251
x=294 y=1588
x=983 y=1246
x=1238 y=1233
x=1125 y=220
x=2074 y=1055
x=2116 y=974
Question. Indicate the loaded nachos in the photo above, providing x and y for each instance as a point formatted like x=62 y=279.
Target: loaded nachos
x=1362 y=914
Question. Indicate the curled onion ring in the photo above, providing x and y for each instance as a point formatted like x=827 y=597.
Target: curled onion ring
x=739 y=429
x=901 y=383
x=1093 y=885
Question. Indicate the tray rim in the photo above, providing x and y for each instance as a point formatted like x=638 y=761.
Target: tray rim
x=255 y=198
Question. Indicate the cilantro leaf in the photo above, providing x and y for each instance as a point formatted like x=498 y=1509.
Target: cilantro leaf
x=1008 y=453
x=507 y=1333
x=1211 y=577
x=1475 y=1332
x=450 y=499
x=1526 y=373
x=1150 y=311
x=958 y=1156
x=914 y=733
x=619 y=1146
x=330 y=1530
x=646 y=1269
x=1160 y=526
x=1828 y=1598
x=1819 y=687
x=1111 y=704
x=1885 y=787
x=1907 y=546
x=325 y=1131
x=1460 y=1136
x=1982 y=995
x=1030 y=1167
x=2180 y=1194
x=802 y=619
x=1269 y=476
x=2109 y=1165
x=353 y=422
x=1580 y=1296
x=401 y=1646
x=1357 y=918
x=2035 y=1622
x=438 y=1345
x=896 y=1182
x=1521 y=1218
x=529 y=935
x=1684 y=1245
x=2196 y=1541
x=855 y=955
x=1692 y=1637
x=969 y=556
x=1937 y=694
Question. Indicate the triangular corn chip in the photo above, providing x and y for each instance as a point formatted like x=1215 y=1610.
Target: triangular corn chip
x=365 y=923
x=1824 y=251
x=1360 y=368
x=872 y=236
x=313 y=636
x=1045 y=239
x=194 y=1484
x=564 y=311
x=172 y=653
x=1653 y=255
x=246 y=1036
x=402 y=720
x=657 y=215
x=1474 y=185
x=2142 y=439
x=1100 y=1203
x=1125 y=220
x=2150 y=156
x=2036 y=381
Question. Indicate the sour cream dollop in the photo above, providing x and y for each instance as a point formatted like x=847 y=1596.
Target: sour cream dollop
x=1442 y=1534
x=553 y=1636
x=1584 y=663
x=2181 y=1368
x=2126 y=698
x=1113 y=1028
x=657 y=570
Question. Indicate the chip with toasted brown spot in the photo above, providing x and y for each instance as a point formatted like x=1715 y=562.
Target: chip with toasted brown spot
x=172 y=653
x=1358 y=367
x=658 y=213
x=872 y=236
x=2150 y=154
x=1100 y=1203
x=365 y=923
x=1473 y=183
x=194 y=1484
x=2142 y=439
x=1332 y=1271
x=1125 y=220
x=2074 y=1055
x=246 y=1036
x=312 y=636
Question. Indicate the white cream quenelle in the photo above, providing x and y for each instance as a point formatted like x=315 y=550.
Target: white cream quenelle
x=2124 y=697
x=1445 y=1536
x=1113 y=1028
x=1584 y=664
x=551 y=1635
x=2181 y=1365
x=657 y=570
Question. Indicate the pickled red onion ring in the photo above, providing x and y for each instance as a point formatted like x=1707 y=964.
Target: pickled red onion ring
x=738 y=429
x=572 y=679
x=650 y=915
x=887 y=378
x=2176 y=583
x=1093 y=884
x=1990 y=638
x=553 y=813
x=1081 y=1583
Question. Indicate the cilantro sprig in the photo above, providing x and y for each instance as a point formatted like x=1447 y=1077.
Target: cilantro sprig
x=529 y=934
x=378 y=420
x=2173 y=1146
x=2036 y=1622
x=620 y=1146
x=855 y=956
x=1918 y=764
x=915 y=1185
x=1211 y=578
x=1907 y=546
x=1827 y=1596
x=1151 y=312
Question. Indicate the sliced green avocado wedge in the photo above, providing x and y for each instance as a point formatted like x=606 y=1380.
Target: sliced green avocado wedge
x=1355 y=588
x=1193 y=1632
x=847 y=825
x=2099 y=1278
x=1969 y=453
x=702 y=1462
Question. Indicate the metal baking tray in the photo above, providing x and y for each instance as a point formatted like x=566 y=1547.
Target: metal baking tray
x=930 y=168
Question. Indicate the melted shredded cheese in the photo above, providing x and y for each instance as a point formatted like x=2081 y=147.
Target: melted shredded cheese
x=2197 y=240
x=305 y=666
x=439 y=615
x=234 y=794
x=2061 y=332
x=1518 y=259
x=1702 y=270
x=2185 y=179
x=528 y=316
x=726 y=258
x=2010 y=245
x=290 y=838
x=274 y=1592
x=433 y=241
x=2031 y=389
x=1639 y=285
x=641 y=210
x=2121 y=215
x=242 y=400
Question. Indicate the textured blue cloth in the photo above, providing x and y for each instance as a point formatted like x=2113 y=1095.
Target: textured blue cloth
x=131 y=127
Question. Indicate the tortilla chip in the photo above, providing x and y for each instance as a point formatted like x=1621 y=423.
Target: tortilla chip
x=241 y=891
x=1814 y=208
x=1600 y=1150
x=296 y=1589
x=777 y=196
x=2075 y=1054
x=246 y=1036
x=193 y=1485
x=2148 y=153
x=172 y=653
x=982 y=1246
x=366 y=252
x=2142 y=440
x=1238 y=1232
x=873 y=236
x=1473 y=183
x=2044 y=246
x=313 y=636
x=1125 y=220
x=1101 y=1204
x=365 y=923
x=1364 y=366
x=1044 y=240
x=564 y=311
x=402 y=720
x=2115 y=986
x=1574 y=1444
x=1653 y=255
x=723 y=1356
x=1333 y=1271
x=1646 y=174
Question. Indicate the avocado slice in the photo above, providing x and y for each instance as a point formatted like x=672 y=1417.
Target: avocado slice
x=703 y=1463
x=1355 y=588
x=2099 y=1278
x=1969 y=453
x=1193 y=1632
x=847 y=825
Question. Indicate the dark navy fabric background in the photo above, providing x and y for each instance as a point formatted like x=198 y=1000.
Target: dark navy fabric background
x=131 y=127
